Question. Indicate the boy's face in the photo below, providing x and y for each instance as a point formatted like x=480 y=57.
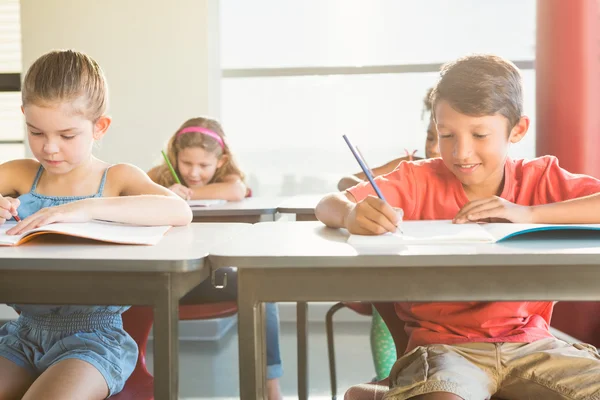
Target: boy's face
x=475 y=148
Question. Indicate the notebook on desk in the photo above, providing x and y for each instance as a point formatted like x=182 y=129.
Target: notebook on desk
x=205 y=203
x=442 y=232
x=95 y=230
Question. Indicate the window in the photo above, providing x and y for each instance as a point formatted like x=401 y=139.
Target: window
x=11 y=120
x=299 y=74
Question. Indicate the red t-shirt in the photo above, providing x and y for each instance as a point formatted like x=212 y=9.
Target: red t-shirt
x=426 y=190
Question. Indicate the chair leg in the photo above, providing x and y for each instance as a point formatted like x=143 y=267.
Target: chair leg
x=330 y=348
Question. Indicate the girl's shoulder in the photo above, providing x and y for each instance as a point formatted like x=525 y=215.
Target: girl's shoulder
x=19 y=174
x=22 y=164
x=124 y=171
x=125 y=178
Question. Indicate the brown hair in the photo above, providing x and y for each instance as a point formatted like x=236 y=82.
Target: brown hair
x=67 y=75
x=479 y=85
x=162 y=175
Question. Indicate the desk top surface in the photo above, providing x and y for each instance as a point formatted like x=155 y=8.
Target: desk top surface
x=181 y=249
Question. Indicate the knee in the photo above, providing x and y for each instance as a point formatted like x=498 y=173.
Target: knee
x=366 y=391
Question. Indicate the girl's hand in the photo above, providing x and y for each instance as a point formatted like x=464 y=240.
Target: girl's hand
x=371 y=216
x=8 y=208
x=76 y=211
x=182 y=191
x=494 y=209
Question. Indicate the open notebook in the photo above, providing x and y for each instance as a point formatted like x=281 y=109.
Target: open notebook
x=439 y=232
x=205 y=203
x=96 y=230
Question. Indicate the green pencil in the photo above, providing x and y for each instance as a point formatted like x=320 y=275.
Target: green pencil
x=170 y=167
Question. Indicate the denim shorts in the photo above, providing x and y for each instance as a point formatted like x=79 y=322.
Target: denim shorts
x=38 y=342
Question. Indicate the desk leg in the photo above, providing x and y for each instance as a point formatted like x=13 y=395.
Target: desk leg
x=166 y=346
x=302 y=337
x=251 y=342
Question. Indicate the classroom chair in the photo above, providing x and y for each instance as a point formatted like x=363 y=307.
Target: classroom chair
x=396 y=327
x=137 y=321
x=358 y=307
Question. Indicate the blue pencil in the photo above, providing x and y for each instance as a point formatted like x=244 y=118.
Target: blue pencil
x=364 y=168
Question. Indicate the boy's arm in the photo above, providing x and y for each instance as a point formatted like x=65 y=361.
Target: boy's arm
x=334 y=208
x=370 y=216
x=349 y=181
x=560 y=197
x=566 y=197
x=584 y=210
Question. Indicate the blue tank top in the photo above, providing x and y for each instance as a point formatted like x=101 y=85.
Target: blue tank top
x=31 y=203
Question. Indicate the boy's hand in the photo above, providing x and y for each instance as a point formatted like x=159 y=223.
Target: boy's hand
x=76 y=211
x=8 y=208
x=371 y=216
x=494 y=209
x=182 y=191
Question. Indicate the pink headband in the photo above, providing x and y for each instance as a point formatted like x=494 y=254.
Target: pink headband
x=204 y=131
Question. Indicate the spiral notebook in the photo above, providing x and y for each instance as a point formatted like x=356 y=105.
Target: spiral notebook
x=96 y=230
x=440 y=232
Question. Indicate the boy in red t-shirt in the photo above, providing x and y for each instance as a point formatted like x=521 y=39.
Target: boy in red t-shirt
x=473 y=350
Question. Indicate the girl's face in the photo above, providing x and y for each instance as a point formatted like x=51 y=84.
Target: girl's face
x=197 y=166
x=59 y=138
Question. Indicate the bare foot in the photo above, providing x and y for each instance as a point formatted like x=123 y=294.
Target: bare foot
x=273 y=390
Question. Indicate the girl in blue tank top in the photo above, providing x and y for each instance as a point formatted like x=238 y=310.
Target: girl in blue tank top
x=74 y=351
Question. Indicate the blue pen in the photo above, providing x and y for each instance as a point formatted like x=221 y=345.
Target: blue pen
x=364 y=161
x=364 y=168
x=367 y=171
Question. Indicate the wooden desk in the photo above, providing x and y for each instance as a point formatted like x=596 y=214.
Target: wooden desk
x=52 y=270
x=250 y=210
x=304 y=261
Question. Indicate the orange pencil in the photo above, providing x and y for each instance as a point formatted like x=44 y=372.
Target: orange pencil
x=16 y=217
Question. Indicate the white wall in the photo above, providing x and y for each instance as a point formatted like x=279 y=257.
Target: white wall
x=160 y=58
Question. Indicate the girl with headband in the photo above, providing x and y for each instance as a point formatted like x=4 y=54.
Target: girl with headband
x=202 y=162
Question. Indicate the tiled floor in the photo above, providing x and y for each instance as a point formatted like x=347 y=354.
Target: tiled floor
x=209 y=370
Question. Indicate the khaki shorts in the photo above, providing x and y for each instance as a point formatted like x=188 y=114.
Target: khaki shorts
x=547 y=369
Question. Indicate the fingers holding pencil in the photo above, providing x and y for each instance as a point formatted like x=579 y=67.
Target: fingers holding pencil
x=8 y=209
x=372 y=216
